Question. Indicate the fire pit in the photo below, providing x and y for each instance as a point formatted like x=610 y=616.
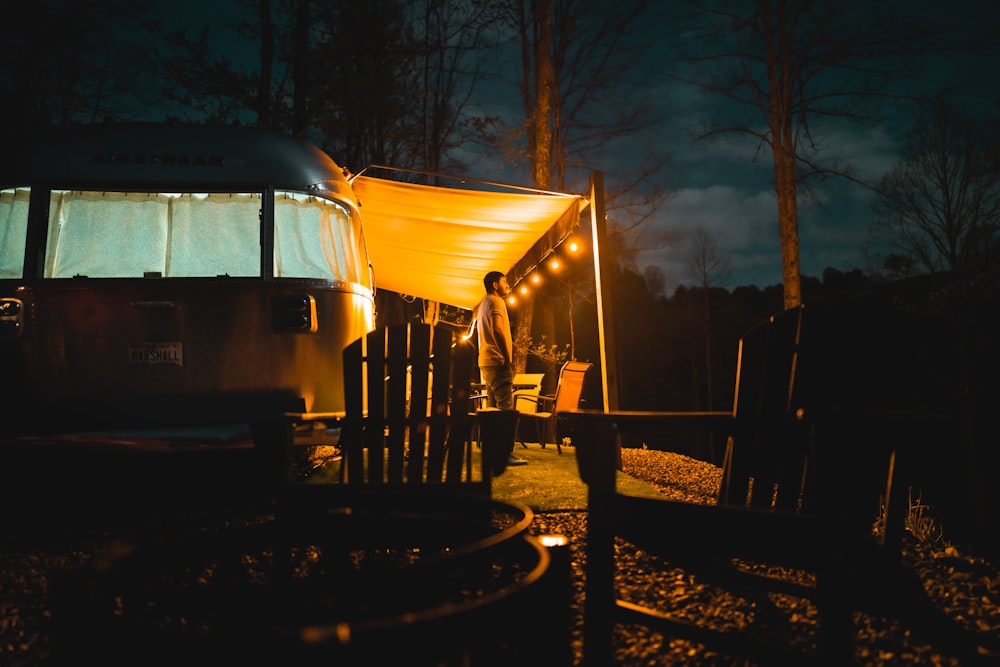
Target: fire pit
x=353 y=586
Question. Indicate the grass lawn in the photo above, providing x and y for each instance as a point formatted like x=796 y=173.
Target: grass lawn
x=549 y=482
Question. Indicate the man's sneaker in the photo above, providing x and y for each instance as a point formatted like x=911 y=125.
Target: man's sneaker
x=514 y=461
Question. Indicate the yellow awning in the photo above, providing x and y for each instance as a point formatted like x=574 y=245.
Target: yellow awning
x=437 y=243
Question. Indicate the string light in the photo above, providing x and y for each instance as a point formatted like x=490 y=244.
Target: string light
x=552 y=262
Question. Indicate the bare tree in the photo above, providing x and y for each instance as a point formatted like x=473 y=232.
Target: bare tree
x=300 y=63
x=656 y=282
x=533 y=22
x=266 y=63
x=450 y=37
x=582 y=87
x=543 y=111
x=65 y=62
x=796 y=64
x=706 y=266
x=580 y=90
x=939 y=207
x=201 y=83
x=378 y=82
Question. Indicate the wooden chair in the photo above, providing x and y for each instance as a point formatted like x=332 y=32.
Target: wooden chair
x=567 y=396
x=811 y=455
x=407 y=437
x=406 y=396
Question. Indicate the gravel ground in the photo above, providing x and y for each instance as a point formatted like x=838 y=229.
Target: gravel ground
x=967 y=589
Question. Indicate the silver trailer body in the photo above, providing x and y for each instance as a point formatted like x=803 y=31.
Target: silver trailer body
x=156 y=276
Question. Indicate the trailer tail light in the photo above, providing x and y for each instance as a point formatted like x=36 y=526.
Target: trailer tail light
x=11 y=317
x=294 y=313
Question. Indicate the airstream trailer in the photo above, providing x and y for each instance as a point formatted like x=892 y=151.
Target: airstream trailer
x=156 y=276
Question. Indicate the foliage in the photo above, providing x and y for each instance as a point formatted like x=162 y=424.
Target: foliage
x=459 y=317
x=919 y=520
x=548 y=352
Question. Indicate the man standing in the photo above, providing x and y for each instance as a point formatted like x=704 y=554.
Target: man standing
x=496 y=348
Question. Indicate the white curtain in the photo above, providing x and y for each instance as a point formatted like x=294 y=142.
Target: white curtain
x=13 y=231
x=214 y=235
x=316 y=238
x=106 y=234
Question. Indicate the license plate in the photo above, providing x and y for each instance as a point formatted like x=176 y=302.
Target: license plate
x=156 y=354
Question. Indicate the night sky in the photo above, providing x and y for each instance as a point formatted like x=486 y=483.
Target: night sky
x=718 y=184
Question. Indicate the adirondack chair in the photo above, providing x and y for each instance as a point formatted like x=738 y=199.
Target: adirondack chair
x=405 y=559
x=814 y=440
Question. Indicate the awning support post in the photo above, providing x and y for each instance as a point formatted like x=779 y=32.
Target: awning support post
x=605 y=300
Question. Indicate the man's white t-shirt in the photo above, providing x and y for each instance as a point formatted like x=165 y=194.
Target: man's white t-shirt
x=489 y=350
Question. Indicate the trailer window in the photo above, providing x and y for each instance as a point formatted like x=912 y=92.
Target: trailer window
x=317 y=238
x=184 y=235
x=131 y=234
x=214 y=235
x=13 y=231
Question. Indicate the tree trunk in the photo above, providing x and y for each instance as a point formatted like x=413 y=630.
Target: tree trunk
x=541 y=158
x=779 y=67
x=709 y=402
x=302 y=74
x=266 y=58
x=551 y=366
x=544 y=84
x=788 y=224
x=522 y=334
